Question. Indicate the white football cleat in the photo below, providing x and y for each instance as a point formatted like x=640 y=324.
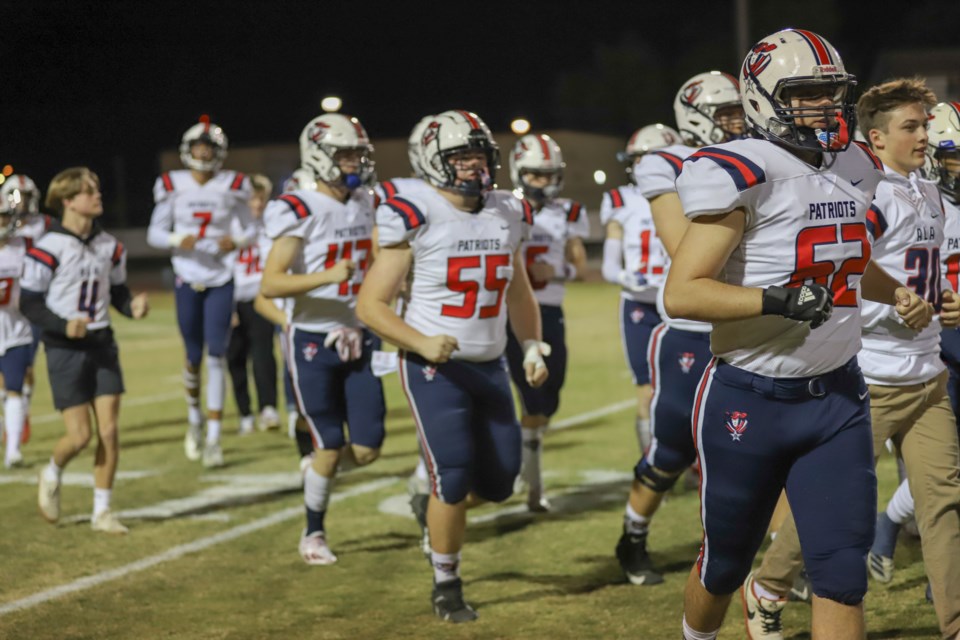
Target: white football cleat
x=106 y=522
x=212 y=456
x=247 y=425
x=48 y=498
x=314 y=550
x=13 y=460
x=191 y=442
x=269 y=419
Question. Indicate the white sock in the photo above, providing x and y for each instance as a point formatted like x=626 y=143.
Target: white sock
x=216 y=383
x=635 y=523
x=51 y=472
x=446 y=566
x=27 y=394
x=530 y=459
x=690 y=634
x=213 y=431
x=421 y=470
x=101 y=500
x=13 y=423
x=194 y=417
x=761 y=592
x=644 y=436
x=901 y=507
x=316 y=490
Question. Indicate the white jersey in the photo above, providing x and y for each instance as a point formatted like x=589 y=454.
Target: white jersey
x=463 y=264
x=75 y=275
x=950 y=249
x=656 y=174
x=398 y=186
x=14 y=328
x=248 y=266
x=331 y=231
x=906 y=224
x=187 y=208
x=32 y=227
x=803 y=224
x=643 y=253
x=553 y=226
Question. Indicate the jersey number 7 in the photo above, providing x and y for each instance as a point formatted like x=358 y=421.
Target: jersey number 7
x=471 y=288
x=825 y=272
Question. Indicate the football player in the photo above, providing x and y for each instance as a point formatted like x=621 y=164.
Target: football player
x=783 y=403
x=465 y=240
x=707 y=109
x=320 y=253
x=634 y=259
x=72 y=276
x=194 y=218
x=553 y=254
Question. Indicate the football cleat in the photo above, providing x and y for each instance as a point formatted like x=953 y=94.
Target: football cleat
x=107 y=522
x=13 y=460
x=635 y=561
x=537 y=503
x=212 y=456
x=191 y=442
x=448 y=604
x=802 y=589
x=269 y=419
x=314 y=550
x=761 y=615
x=48 y=498
x=418 y=504
x=880 y=567
x=246 y=425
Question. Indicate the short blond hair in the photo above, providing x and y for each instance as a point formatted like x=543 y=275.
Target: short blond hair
x=66 y=185
x=261 y=184
x=874 y=106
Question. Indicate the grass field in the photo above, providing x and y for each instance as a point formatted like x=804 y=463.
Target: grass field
x=214 y=555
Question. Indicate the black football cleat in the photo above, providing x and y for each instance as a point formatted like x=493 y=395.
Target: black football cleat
x=448 y=602
x=635 y=561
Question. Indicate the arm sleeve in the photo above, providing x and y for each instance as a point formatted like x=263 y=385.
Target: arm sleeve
x=33 y=306
x=612 y=259
x=118 y=269
x=120 y=298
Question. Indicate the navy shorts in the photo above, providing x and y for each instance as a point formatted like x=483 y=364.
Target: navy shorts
x=204 y=319
x=331 y=392
x=637 y=322
x=467 y=426
x=78 y=376
x=14 y=364
x=677 y=360
x=756 y=435
x=544 y=400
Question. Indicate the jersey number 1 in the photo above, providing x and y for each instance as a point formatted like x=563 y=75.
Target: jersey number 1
x=470 y=288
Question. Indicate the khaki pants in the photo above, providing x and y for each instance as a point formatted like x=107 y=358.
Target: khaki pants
x=919 y=420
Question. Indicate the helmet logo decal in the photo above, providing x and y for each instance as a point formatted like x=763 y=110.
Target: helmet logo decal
x=758 y=59
x=318 y=131
x=692 y=91
x=521 y=149
x=430 y=133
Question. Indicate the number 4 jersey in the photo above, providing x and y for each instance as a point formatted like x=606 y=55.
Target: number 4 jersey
x=463 y=264
x=331 y=231
x=906 y=225
x=803 y=224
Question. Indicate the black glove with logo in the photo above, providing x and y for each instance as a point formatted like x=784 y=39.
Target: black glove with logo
x=809 y=302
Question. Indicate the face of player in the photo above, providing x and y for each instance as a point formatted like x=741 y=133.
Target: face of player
x=470 y=166
x=540 y=179
x=88 y=203
x=349 y=160
x=202 y=151
x=903 y=145
x=730 y=119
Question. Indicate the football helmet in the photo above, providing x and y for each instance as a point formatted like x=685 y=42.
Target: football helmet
x=19 y=195
x=537 y=154
x=696 y=103
x=301 y=179
x=795 y=60
x=648 y=138
x=453 y=132
x=204 y=131
x=943 y=146
x=323 y=137
x=413 y=145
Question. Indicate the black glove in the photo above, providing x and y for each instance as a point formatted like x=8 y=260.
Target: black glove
x=808 y=302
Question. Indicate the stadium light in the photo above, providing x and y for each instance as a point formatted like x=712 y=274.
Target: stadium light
x=520 y=126
x=331 y=104
x=7 y=170
x=600 y=176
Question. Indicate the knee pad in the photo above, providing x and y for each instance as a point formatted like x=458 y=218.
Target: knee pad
x=840 y=576
x=452 y=484
x=653 y=478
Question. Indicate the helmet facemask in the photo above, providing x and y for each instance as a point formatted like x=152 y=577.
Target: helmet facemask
x=483 y=182
x=840 y=114
x=10 y=221
x=547 y=192
x=945 y=162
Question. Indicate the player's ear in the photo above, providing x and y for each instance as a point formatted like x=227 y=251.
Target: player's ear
x=877 y=138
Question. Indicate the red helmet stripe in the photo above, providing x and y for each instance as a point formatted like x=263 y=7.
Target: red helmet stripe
x=956 y=107
x=820 y=49
x=544 y=147
x=474 y=124
x=359 y=128
x=735 y=82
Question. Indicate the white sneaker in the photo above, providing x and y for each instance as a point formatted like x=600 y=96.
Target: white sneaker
x=762 y=615
x=106 y=522
x=14 y=460
x=212 y=456
x=537 y=503
x=191 y=442
x=269 y=419
x=48 y=498
x=314 y=550
x=247 y=425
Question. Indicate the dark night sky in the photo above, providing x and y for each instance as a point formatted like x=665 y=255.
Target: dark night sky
x=109 y=83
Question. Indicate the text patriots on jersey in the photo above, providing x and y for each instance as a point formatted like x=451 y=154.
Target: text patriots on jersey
x=833 y=210
x=483 y=244
x=352 y=232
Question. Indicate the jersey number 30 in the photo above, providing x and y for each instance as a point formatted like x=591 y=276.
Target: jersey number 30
x=470 y=288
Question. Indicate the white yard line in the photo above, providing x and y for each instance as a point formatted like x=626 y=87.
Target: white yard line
x=137 y=401
x=587 y=416
x=179 y=551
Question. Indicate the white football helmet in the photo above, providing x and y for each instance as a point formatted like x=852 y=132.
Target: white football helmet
x=301 y=179
x=537 y=154
x=19 y=195
x=696 y=103
x=323 y=137
x=451 y=132
x=211 y=134
x=943 y=145
x=788 y=60
x=413 y=145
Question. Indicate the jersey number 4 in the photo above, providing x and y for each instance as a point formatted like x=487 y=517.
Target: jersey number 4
x=88 y=298
x=825 y=272
x=250 y=258
x=470 y=288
